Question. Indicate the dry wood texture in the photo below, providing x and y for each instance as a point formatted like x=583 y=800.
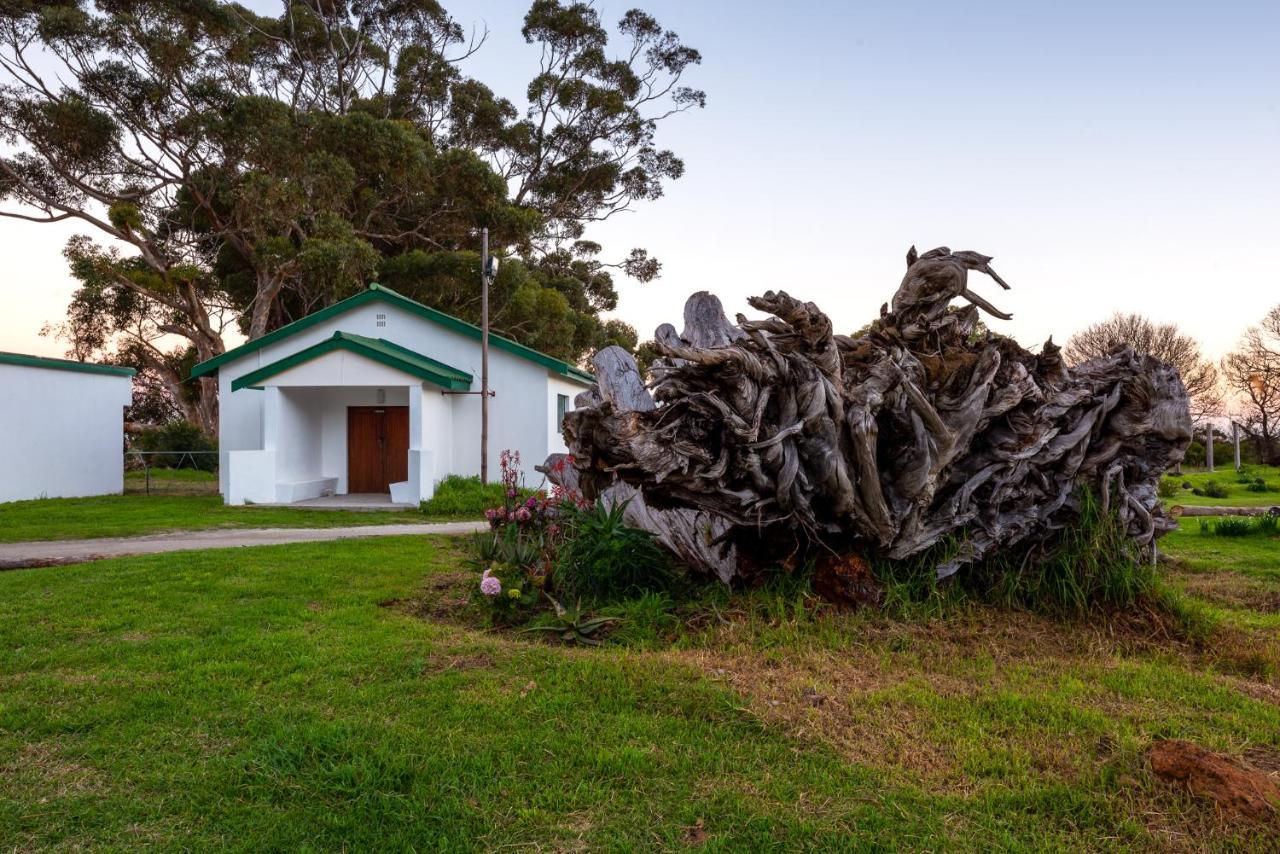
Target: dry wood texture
x=765 y=440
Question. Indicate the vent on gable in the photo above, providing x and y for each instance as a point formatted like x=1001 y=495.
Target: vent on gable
x=382 y=319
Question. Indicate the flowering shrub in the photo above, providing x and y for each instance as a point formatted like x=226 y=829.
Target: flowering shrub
x=508 y=589
x=562 y=544
x=518 y=551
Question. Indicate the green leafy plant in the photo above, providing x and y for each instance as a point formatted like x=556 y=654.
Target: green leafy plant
x=1214 y=489
x=1233 y=526
x=1167 y=488
x=1267 y=525
x=604 y=559
x=574 y=625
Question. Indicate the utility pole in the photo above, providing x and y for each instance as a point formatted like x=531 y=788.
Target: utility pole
x=1235 y=437
x=484 y=355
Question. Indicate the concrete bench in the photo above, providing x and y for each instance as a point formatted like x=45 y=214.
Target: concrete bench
x=287 y=492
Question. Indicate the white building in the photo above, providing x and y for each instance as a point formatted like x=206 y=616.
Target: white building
x=368 y=396
x=61 y=427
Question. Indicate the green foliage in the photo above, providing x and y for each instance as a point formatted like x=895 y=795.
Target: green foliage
x=174 y=438
x=465 y=497
x=1266 y=525
x=1168 y=487
x=1214 y=489
x=271 y=164
x=574 y=625
x=1093 y=563
x=604 y=559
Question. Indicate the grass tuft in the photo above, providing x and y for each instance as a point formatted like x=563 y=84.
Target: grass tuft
x=458 y=497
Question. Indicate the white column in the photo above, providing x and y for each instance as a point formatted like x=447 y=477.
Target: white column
x=270 y=418
x=415 y=417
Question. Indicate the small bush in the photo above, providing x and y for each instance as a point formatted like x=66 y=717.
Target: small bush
x=1233 y=526
x=1258 y=485
x=174 y=438
x=465 y=496
x=603 y=559
x=1238 y=526
x=1214 y=489
x=1167 y=488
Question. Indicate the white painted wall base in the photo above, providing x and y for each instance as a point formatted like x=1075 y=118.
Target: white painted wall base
x=251 y=477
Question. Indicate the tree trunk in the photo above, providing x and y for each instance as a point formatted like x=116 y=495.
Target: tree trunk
x=769 y=441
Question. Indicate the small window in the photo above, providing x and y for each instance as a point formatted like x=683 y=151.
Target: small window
x=562 y=406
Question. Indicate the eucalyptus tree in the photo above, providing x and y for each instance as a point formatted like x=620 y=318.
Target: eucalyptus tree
x=235 y=171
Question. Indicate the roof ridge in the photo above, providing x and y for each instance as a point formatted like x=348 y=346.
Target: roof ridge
x=376 y=290
x=54 y=363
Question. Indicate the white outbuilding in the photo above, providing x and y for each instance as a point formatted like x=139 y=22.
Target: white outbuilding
x=61 y=427
x=377 y=396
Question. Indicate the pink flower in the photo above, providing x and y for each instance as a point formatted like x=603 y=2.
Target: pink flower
x=523 y=514
x=489 y=585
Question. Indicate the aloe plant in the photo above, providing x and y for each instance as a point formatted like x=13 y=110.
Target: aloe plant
x=573 y=625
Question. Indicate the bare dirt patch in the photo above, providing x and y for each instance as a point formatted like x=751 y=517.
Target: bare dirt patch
x=1222 y=779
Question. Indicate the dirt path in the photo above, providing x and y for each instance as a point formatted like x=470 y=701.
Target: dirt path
x=54 y=552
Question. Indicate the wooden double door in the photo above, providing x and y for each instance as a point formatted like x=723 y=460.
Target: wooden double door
x=377 y=447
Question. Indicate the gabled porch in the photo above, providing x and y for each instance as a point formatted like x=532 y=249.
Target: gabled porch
x=350 y=421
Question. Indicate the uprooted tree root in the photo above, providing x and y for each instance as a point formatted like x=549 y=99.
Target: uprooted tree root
x=768 y=442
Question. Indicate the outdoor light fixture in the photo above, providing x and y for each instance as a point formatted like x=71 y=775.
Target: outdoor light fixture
x=491 y=268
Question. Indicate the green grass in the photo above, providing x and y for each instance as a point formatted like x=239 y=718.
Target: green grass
x=291 y=697
x=1238 y=495
x=458 y=497
x=135 y=515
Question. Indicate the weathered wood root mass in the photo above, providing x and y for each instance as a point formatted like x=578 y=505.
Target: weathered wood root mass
x=772 y=439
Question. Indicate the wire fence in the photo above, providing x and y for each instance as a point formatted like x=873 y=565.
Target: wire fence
x=171 y=472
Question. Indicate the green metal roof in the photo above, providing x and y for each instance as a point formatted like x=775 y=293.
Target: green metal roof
x=378 y=293
x=377 y=349
x=64 y=365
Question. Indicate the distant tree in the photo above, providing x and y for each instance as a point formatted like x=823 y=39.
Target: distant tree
x=247 y=169
x=1252 y=372
x=1164 y=341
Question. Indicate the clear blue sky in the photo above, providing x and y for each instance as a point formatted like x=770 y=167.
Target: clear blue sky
x=1110 y=155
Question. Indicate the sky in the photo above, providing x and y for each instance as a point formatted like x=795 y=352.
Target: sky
x=1111 y=156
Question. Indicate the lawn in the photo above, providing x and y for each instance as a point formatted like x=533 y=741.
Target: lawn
x=322 y=697
x=1238 y=493
x=134 y=515
x=186 y=508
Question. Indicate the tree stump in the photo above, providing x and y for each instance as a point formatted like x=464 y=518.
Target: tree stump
x=768 y=440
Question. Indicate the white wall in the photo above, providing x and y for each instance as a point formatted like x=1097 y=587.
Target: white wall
x=61 y=432
x=555 y=441
x=521 y=414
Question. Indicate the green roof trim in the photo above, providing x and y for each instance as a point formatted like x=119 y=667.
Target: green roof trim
x=377 y=349
x=64 y=365
x=378 y=293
